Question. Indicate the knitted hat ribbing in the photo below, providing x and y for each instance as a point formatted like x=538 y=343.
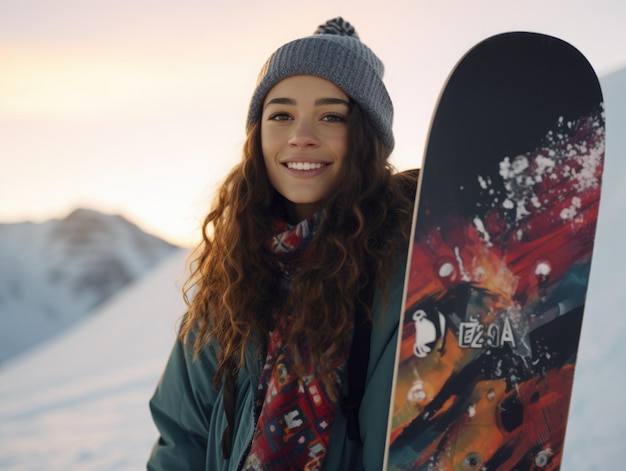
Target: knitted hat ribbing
x=335 y=53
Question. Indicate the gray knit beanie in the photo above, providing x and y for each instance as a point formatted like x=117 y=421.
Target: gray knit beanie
x=335 y=53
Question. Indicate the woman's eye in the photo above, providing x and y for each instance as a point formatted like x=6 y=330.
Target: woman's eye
x=334 y=118
x=279 y=117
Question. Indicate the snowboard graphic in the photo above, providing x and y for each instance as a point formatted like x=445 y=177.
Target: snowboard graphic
x=499 y=265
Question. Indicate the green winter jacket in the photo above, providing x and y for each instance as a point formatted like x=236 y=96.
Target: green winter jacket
x=189 y=412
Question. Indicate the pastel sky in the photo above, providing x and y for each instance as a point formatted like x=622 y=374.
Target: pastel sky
x=137 y=107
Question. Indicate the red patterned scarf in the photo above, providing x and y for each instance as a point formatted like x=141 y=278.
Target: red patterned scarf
x=296 y=413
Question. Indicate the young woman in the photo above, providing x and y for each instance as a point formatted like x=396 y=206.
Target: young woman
x=285 y=357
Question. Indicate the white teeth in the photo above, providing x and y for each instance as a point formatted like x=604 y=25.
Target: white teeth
x=304 y=165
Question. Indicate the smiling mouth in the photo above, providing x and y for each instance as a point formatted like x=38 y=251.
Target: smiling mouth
x=304 y=165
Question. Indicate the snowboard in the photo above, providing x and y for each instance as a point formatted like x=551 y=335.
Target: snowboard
x=499 y=262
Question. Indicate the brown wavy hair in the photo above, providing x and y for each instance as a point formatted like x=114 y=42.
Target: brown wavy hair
x=231 y=293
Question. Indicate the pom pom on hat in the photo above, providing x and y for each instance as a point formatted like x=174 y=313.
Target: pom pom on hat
x=333 y=52
x=337 y=26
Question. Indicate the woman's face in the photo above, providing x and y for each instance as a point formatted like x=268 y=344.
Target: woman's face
x=304 y=137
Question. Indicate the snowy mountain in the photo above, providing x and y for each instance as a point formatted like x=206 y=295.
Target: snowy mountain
x=80 y=401
x=53 y=273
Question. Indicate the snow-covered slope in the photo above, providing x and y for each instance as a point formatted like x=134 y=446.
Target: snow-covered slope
x=53 y=273
x=80 y=400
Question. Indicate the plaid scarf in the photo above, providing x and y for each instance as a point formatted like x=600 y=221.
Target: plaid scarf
x=295 y=414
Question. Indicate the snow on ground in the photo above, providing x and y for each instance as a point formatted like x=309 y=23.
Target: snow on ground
x=80 y=401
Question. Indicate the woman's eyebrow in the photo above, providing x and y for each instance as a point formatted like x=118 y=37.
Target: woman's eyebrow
x=331 y=101
x=280 y=101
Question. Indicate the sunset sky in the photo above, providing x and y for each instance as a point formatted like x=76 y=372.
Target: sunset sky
x=137 y=107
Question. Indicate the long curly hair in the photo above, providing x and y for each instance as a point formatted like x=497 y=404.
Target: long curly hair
x=231 y=293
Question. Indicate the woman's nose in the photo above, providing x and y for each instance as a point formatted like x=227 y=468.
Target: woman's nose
x=303 y=136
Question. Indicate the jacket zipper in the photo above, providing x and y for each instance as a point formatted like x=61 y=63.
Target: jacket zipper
x=256 y=412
